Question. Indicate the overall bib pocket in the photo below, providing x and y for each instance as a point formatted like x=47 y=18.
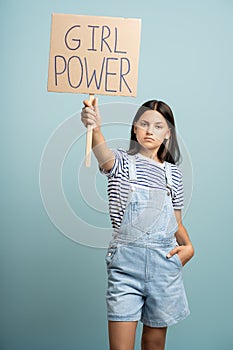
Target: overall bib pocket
x=146 y=215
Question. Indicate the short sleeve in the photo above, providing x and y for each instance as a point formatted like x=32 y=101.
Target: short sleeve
x=119 y=163
x=178 y=199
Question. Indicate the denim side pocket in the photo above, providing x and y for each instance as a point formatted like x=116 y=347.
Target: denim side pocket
x=179 y=263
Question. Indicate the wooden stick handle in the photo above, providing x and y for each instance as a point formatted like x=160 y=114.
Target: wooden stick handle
x=89 y=139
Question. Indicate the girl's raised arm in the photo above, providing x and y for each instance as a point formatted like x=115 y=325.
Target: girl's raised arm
x=90 y=116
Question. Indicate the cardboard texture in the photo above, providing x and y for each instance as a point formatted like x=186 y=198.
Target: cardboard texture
x=94 y=55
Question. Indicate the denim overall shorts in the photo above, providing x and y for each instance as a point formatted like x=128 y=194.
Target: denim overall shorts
x=142 y=283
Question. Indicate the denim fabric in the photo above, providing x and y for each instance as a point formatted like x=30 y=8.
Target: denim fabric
x=142 y=283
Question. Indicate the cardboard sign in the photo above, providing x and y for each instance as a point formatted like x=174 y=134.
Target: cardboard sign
x=94 y=55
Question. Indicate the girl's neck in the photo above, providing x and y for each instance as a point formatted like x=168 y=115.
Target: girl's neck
x=150 y=154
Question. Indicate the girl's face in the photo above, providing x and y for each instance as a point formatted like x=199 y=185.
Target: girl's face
x=151 y=129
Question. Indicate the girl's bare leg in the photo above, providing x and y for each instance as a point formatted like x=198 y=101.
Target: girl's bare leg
x=153 y=338
x=122 y=335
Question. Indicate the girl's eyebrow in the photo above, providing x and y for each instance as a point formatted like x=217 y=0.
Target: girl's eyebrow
x=146 y=121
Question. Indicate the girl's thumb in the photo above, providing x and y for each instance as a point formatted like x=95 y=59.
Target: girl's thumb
x=91 y=104
x=87 y=103
x=95 y=102
x=172 y=252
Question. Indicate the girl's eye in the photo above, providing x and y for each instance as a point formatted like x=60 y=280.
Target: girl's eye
x=143 y=124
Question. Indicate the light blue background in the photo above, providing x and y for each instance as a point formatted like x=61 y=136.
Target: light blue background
x=52 y=289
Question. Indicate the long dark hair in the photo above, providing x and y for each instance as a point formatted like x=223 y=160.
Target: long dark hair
x=169 y=150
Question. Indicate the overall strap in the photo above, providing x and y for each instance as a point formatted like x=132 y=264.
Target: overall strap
x=168 y=174
x=132 y=168
x=133 y=175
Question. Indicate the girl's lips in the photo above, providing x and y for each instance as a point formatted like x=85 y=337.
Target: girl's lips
x=148 y=139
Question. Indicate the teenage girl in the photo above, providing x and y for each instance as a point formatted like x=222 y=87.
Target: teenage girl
x=150 y=245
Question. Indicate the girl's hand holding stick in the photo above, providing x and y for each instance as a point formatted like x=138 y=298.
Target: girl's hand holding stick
x=90 y=117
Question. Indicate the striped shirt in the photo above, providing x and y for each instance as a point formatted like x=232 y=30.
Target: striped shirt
x=150 y=173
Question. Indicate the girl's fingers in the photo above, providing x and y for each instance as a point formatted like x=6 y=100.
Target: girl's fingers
x=87 y=121
x=88 y=113
x=173 y=252
x=88 y=110
x=184 y=252
x=90 y=124
x=88 y=116
x=87 y=103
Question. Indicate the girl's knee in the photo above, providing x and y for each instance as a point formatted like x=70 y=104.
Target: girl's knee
x=152 y=345
x=153 y=338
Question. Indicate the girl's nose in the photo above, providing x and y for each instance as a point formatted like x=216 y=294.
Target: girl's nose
x=150 y=129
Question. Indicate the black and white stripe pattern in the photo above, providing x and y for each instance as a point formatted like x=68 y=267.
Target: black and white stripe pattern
x=149 y=174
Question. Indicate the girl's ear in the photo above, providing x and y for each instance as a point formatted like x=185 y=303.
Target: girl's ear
x=134 y=128
x=168 y=135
